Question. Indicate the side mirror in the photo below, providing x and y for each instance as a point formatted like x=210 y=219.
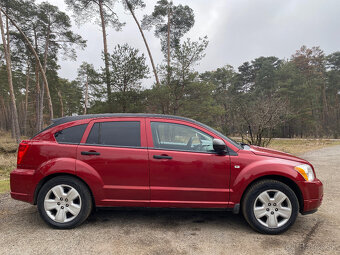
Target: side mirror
x=219 y=146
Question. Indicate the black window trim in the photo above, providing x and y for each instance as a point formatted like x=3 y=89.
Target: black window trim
x=114 y=146
x=229 y=151
x=68 y=143
x=161 y=149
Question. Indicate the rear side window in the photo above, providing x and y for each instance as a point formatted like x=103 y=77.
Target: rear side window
x=71 y=135
x=115 y=133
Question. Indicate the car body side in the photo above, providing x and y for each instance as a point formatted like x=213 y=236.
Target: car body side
x=47 y=158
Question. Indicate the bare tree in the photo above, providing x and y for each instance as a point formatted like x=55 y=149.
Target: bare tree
x=260 y=117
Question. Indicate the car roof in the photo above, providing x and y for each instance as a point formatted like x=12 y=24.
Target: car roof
x=66 y=119
x=62 y=120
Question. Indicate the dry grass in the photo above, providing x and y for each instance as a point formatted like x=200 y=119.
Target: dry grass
x=7 y=143
x=8 y=149
x=300 y=146
x=7 y=164
x=4 y=186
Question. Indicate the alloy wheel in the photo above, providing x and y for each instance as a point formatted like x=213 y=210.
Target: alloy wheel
x=62 y=203
x=272 y=208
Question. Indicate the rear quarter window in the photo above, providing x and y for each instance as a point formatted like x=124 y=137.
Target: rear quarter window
x=70 y=135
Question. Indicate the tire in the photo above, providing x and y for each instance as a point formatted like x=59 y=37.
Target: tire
x=64 y=202
x=270 y=207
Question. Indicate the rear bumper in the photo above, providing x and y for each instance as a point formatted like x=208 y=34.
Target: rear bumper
x=312 y=195
x=23 y=184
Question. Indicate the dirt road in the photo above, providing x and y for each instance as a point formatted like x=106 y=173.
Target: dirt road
x=174 y=232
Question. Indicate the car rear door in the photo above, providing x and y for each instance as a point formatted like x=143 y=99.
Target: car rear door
x=184 y=169
x=114 y=150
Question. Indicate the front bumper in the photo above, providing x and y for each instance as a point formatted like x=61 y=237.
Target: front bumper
x=23 y=184
x=312 y=193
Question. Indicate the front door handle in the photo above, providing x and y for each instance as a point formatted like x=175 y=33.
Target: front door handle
x=162 y=157
x=88 y=153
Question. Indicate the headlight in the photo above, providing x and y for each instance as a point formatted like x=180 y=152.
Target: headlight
x=306 y=171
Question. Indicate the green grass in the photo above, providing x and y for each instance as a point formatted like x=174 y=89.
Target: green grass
x=4 y=186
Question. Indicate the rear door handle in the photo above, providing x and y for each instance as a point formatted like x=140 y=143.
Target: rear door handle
x=90 y=153
x=162 y=157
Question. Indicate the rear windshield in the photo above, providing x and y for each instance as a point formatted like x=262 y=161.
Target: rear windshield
x=71 y=135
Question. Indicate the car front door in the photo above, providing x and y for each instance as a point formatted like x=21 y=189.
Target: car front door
x=184 y=169
x=114 y=151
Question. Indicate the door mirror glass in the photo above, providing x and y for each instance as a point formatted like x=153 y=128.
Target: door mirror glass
x=219 y=146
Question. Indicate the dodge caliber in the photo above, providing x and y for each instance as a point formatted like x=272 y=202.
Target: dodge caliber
x=79 y=163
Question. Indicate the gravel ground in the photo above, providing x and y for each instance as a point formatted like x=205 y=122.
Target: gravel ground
x=178 y=232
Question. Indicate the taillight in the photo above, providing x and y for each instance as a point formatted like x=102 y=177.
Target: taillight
x=23 y=147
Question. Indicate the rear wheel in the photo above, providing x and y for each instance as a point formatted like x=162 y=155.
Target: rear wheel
x=270 y=206
x=64 y=202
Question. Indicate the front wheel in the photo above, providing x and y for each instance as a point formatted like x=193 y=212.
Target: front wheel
x=64 y=202
x=270 y=206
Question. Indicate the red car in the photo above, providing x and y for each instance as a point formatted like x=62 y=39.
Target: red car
x=149 y=160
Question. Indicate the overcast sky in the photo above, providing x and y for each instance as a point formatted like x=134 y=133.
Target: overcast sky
x=238 y=31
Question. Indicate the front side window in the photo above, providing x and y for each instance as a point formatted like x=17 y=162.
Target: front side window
x=180 y=137
x=70 y=135
x=115 y=133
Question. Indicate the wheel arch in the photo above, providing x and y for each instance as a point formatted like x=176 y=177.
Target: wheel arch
x=289 y=182
x=51 y=176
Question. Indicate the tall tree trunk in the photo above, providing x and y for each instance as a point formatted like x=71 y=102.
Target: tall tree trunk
x=37 y=95
x=325 y=105
x=41 y=106
x=4 y=122
x=26 y=99
x=61 y=103
x=47 y=41
x=168 y=44
x=86 y=94
x=10 y=83
x=13 y=131
x=106 y=57
x=123 y=97
x=37 y=87
x=145 y=42
x=337 y=113
x=12 y=121
x=41 y=109
x=49 y=100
